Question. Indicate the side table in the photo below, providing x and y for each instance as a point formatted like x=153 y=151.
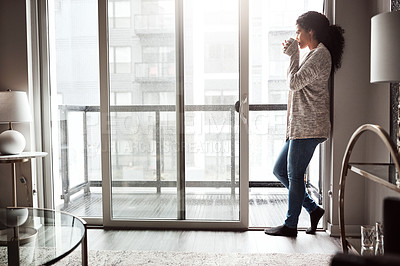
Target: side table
x=18 y=158
x=376 y=172
x=59 y=234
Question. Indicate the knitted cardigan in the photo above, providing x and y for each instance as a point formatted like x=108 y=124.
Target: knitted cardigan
x=308 y=111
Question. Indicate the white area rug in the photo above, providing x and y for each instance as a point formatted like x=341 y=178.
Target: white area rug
x=111 y=257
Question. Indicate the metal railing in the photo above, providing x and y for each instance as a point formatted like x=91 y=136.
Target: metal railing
x=86 y=184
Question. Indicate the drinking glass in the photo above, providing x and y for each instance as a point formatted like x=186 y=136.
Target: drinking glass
x=368 y=236
x=379 y=239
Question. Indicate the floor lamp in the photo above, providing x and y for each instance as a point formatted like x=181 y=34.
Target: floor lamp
x=385 y=51
x=385 y=67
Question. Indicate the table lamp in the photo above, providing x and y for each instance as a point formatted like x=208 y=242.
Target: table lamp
x=14 y=108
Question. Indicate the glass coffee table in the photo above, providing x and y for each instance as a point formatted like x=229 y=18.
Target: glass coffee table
x=30 y=236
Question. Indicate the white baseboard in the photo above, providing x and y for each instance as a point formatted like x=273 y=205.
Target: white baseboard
x=351 y=230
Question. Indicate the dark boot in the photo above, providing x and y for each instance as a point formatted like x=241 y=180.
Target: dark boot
x=314 y=217
x=282 y=230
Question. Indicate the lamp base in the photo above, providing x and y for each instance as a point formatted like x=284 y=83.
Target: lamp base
x=12 y=142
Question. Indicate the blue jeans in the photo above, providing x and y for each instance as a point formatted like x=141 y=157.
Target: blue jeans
x=289 y=169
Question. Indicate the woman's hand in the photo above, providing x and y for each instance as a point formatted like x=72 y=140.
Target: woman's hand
x=286 y=44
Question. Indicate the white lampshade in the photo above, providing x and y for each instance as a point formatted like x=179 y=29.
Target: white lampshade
x=385 y=47
x=14 y=108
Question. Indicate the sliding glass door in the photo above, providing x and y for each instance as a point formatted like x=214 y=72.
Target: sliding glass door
x=174 y=143
x=154 y=138
x=142 y=98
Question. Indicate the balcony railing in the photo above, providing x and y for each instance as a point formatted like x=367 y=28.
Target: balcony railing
x=68 y=190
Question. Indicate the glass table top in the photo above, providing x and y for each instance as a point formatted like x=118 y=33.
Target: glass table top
x=38 y=236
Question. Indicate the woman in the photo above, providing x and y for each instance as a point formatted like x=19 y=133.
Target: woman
x=308 y=115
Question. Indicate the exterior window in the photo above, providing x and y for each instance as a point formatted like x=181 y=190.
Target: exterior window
x=119 y=14
x=158 y=54
x=123 y=98
x=120 y=60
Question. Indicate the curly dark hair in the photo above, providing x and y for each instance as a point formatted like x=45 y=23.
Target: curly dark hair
x=330 y=35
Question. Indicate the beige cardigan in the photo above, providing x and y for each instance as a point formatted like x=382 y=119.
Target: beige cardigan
x=308 y=111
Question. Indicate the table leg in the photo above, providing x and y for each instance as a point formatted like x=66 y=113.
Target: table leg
x=14 y=188
x=13 y=247
x=84 y=249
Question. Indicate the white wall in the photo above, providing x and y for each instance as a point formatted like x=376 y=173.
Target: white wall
x=350 y=83
x=380 y=95
x=14 y=76
x=357 y=102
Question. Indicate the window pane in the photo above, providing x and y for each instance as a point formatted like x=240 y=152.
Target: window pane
x=75 y=98
x=211 y=30
x=143 y=158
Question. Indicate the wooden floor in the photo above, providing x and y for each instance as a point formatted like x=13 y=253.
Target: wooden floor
x=211 y=241
x=266 y=208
